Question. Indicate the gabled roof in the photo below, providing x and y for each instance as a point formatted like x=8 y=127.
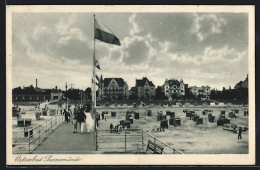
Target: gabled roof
x=141 y=83
x=133 y=89
x=173 y=82
x=119 y=81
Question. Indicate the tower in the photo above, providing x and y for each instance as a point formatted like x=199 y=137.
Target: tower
x=36 y=85
x=182 y=87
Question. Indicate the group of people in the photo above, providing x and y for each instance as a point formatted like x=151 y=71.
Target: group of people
x=117 y=128
x=81 y=118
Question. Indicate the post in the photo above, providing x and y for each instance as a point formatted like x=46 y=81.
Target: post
x=29 y=141
x=142 y=139
x=125 y=139
x=66 y=96
x=39 y=133
x=51 y=124
x=81 y=99
x=94 y=81
x=46 y=128
x=154 y=145
x=96 y=141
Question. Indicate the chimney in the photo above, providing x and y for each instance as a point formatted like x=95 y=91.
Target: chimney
x=36 y=84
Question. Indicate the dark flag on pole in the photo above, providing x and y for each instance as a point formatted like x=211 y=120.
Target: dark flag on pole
x=95 y=82
x=97 y=77
x=104 y=34
x=97 y=64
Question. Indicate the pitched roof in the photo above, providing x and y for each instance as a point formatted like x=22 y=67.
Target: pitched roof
x=142 y=82
x=133 y=89
x=172 y=82
x=119 y=81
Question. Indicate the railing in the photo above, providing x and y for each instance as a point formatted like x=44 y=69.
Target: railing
x=28 y=140
x=128 y=140
x=167 y=148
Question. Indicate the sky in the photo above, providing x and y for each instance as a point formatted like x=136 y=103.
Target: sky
x=200 y=48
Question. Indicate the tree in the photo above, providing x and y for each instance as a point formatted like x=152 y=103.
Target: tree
x=159 y=94
x=73 y=94
x=88 y=93
x=189 y=95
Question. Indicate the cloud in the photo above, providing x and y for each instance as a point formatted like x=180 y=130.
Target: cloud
x=135 y=53
x=135 y=29
x=206 y=24
x=156 y=45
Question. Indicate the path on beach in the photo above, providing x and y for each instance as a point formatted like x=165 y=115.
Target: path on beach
x=64 y=141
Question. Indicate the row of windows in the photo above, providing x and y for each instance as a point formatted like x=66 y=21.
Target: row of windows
x=178 y=91
x=113 y=92
x=113 y=88
x=141 y=88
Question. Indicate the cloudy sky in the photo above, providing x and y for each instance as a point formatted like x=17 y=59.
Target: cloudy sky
x=201 y=48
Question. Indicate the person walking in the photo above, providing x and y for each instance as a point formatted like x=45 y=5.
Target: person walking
x=69 y=113
x=75 y=119
x=66 y=115
x=81 y=119
x=239 y=133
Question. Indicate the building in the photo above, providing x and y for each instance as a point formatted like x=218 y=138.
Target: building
x=30 y=97
x=132 y=93
x=203 y=92
x=35 y=94
x=173 y=88
x=242 y=84
x=145 y=89
x=56 y=95
x=113 y=88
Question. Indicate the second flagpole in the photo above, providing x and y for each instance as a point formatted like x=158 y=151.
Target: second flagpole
x=94 y=82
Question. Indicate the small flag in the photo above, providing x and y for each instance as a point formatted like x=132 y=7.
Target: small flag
x=95 y=82
x=97 y=77
x=104 y=34
x=97 y=64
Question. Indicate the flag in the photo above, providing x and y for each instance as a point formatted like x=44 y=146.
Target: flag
x=104 y=34
x=97 y=64
x=97 y=77
x=95 y=82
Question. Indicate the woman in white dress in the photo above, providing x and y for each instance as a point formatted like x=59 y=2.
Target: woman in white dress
x=89 y=122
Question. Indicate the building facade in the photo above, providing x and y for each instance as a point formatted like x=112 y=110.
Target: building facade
x=145 y=89
x=173 y=87
x=56 y=95
x=30 y=97
x=113 y=88
x=203 y=92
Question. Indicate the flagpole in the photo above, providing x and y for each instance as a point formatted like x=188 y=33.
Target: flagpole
x=94 y=82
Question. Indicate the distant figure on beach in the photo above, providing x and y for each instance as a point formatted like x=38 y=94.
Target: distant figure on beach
x=239 y=133
x=102 y=115
x=111 y=127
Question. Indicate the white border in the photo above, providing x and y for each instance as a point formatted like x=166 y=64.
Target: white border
x=99 y=159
